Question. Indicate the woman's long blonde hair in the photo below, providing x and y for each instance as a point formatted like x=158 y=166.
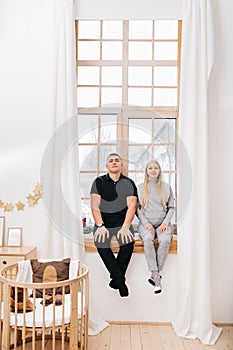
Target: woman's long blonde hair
x=159 y=187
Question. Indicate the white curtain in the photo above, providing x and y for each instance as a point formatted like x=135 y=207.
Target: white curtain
x=193 y=318
x=59 y=169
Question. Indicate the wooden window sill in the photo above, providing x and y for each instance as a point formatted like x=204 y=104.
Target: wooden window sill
x=138 y=246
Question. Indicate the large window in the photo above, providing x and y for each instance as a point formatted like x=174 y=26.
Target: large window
x=127 y=93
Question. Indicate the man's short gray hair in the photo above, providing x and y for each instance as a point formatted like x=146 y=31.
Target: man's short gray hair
x=113 y=154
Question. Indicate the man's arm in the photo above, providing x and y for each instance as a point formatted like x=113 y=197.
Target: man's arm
x=124 y=232
x=132 y=205
x=101 y=232
x=95 y=208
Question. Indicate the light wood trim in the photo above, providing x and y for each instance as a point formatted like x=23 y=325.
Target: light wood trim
x=16 y=251
x=156 y=112
x=138 y=246
x=142 y=63
x=179 y=64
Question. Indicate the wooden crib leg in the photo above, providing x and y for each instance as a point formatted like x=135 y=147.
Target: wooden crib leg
x=6 y=332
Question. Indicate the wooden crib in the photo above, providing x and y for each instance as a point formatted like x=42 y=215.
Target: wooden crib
x=62 y=318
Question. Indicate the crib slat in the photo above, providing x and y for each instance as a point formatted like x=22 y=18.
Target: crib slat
x=54 y=320
x=43 y=321
x=6 y=318
x=34 y=320
x=63 y=320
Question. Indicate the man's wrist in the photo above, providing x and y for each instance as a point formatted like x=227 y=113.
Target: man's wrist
x=126 y=226
x=100 y=224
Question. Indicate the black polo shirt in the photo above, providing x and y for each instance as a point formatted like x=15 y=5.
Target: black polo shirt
x=113 y=204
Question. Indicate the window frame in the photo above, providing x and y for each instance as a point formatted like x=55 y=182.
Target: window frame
x=125 y=111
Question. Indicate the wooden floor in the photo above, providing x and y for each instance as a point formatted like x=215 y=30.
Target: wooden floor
x=147 y=337
x=152 y=337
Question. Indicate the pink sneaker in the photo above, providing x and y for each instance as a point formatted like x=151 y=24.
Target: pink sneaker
x=157 y=281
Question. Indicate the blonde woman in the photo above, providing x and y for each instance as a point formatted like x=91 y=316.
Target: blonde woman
x=154 y=212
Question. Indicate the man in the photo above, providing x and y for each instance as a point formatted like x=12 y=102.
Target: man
x=113 y=205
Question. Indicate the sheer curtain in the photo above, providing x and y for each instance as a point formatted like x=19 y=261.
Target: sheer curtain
x=193 y=317
x=59 y=169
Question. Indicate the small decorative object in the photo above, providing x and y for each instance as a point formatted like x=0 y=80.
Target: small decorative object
x=14 y=236
x=8 y=207
x=32 y=200
x=2 y=229
x=20 y=205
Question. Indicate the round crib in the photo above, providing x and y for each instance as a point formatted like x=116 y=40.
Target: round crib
x=59 y=317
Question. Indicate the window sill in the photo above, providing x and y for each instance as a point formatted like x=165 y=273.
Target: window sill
x=138 y=246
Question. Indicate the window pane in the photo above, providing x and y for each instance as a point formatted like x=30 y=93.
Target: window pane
x=139 y=156
x=170 y=178
x=140 y=76
x=104 y=152
x=165 y=155
x=111 y=95
x=165 y=97
x=87 y=97
x=111 y=75
x=165 y=51
x=136 y=177
x=86 y=181
x=88 y=50
x=87 y=129
x=88 y=75
x=164 y=131
x=165 y=76
x=89 y=29
x=140 y=131
x=139 y=96
x=140 y=51
x=112 y=51
x=87 y=157
x=140 y=29
x=112 y=30
x=166 y=29
x=86 y=210
x=108 y=131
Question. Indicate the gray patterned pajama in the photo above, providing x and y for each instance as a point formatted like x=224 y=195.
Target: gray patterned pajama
x=155 y=214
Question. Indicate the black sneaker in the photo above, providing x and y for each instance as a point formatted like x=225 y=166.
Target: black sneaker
x=123 y=290
x=113 y=284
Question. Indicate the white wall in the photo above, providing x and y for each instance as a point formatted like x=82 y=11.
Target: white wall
x=26 y=106
x=221 y=164
x=25 y=112
x=129 y=9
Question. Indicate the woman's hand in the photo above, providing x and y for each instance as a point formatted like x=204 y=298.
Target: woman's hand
x=162 y=228
x=149 y=227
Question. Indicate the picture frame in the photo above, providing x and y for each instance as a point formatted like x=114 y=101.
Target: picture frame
x=2 y=230
x=14 y=237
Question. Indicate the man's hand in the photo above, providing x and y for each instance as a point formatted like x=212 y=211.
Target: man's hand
x=149 y=227
x=162 y=228
x=125 y=234
x=100 y=234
